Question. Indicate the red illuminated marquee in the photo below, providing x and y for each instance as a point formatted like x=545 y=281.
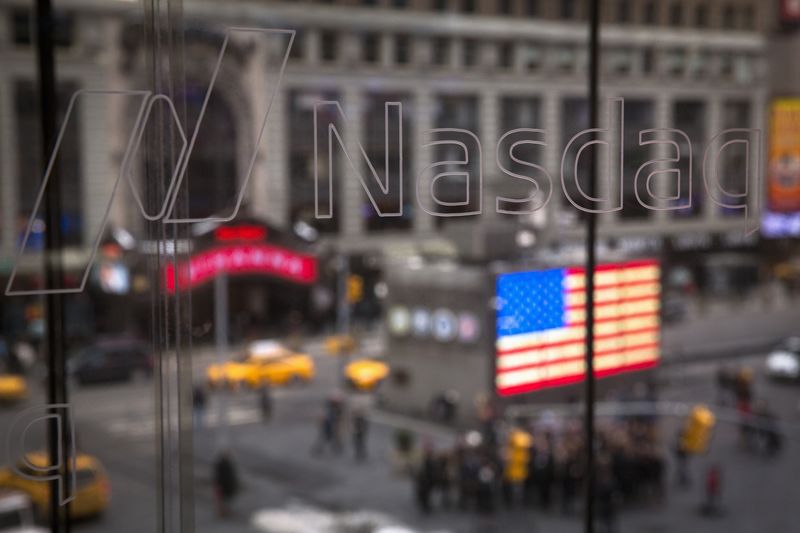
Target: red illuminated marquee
x=259 y=259
x=240 y=233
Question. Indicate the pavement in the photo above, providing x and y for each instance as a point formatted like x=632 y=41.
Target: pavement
x=115 y=422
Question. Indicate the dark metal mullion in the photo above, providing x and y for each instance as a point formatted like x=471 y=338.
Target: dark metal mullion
x=591 y=261
x=56 y=375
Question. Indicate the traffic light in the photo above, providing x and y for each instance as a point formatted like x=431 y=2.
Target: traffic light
x=355 y=288
x=698 y=430
x=518 y=455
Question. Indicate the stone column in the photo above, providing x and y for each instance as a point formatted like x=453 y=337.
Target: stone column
x=424 y=107
x=353 y=195
x=489 y=124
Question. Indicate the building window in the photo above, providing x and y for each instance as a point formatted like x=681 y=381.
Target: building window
x=520 y=112
x=31 y=167
x=371 y=47
x=63 y=28
x=648 y=61
x=574 y=119
x=565 y=58
x=470 y=51
x=701 y=16
x=568 y=9
x=623 y=11
x=532 y=56
x=700 y=64
x=402 y=49
x=505 y=55
x=301 y=162
x=468 y=6
x=736 y=114
x=441 y=51
x=370 y=2
x=639 y=115
x=505 y=7
x=744 y=69
x=375 y=146
x=212 y=169
x=689 y=116
x=532 y=8
x=726 y=67
x=620 y=61
x=650 y=12
x=676 y=14
x=329 y=44
x=729 y=17
x=440 y=5
x=22 y=26
x=400 y=4
x=748 y=17
x=455 y=112
x=675 y=62
x=297 y=52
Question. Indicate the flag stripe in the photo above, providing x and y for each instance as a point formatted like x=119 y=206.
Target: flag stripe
x=541 y=324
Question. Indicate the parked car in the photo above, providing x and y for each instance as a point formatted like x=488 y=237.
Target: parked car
x=92 y=487
x=13 y=385
x=16 y=513
x=111 y=360
x=783 y=363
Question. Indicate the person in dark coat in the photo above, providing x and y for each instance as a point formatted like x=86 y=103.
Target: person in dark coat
x=487 y=478
x=265 y=403
x=425 y=479
x=606 y=501
x=199 y=402
x=226 y=482
x=360 y=428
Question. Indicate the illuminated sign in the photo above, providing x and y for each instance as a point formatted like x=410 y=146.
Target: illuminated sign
x=441 y=324
x=260 y=259
x=240 y=233
x=782 y=214
x=540 y=324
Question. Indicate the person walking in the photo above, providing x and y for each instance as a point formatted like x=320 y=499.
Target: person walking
x=360 y=428
x=199 y=402
x=325 y=438
x=425 y=479
x=226 y=482
x=606 y=501
x=265 y=403
x=713 y=489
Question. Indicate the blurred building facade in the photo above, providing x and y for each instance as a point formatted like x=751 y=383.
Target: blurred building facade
x=481 y=65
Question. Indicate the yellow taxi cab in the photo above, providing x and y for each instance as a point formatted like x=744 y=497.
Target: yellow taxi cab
x=92 y=486
x=338 y=344
x=365 y=374
x=263 y=363
x=13 y=388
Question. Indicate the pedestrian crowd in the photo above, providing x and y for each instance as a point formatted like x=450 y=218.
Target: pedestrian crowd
x=758 y=426
x=335 y=422
x=484 y=473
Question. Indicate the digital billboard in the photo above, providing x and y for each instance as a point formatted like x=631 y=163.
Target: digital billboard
x=541 y=320
x=782 y=214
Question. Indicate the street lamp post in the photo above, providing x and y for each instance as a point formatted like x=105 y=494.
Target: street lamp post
x=221 y=334
x=342 y=311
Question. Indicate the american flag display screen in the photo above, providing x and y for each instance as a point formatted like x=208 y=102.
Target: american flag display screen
x=541 y=321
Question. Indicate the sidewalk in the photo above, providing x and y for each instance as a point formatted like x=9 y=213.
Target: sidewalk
x=727 y=329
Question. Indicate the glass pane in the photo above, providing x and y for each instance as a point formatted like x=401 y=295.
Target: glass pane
x=321 y=265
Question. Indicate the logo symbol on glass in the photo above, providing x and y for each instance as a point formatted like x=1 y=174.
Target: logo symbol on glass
x=386 y=192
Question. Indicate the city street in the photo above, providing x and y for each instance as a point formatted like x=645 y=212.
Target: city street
x=115 y=422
